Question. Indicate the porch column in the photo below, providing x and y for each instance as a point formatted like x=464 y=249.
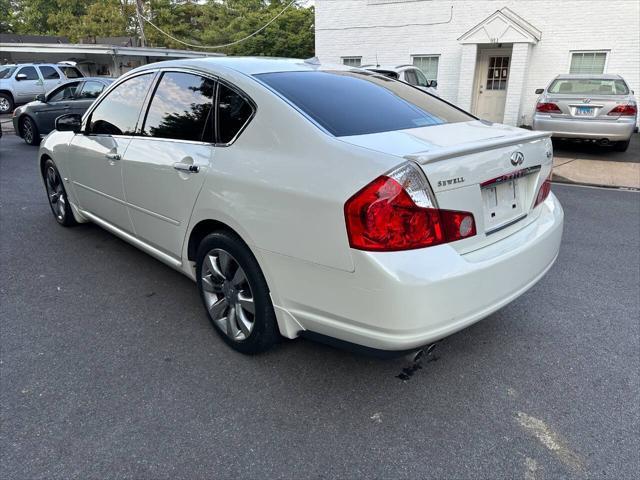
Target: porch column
x=467 y=74
x=517 y=79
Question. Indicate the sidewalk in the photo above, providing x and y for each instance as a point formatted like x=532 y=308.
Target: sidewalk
x=598 y=166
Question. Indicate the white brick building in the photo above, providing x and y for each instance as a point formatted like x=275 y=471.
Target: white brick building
x=488 y=56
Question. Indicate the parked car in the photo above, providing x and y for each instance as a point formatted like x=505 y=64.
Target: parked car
x=36 y=119
x=311 y=199
x=406 y=73
x=21 y=83
x=599 y=108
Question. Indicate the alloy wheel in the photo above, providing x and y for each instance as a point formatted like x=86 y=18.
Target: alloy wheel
x=227 y=294
x=5 y=106
x=55 y=192
x=27 y=131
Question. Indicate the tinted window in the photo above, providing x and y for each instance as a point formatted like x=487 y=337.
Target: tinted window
x=233 y=112
x=118 y=113
x=70 y=72
x=181 y=108
x=91 y=90
x=30 y=72
x=410 y=77
x=64 y=92
x=5 y=72
x=49 y=73
x=589 y=86
x=360 y=102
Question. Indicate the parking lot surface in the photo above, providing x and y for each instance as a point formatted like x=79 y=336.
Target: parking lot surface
x=109 y=368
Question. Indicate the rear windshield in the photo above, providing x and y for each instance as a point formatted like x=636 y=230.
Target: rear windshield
x=589 y=86
x=360 y=102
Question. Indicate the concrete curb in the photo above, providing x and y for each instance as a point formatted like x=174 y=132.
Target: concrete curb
x=598 y=173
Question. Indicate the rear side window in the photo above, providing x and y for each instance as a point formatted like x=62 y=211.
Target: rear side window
x=30 y=72
x=49 y=73
x=71 y=72
x=233 y=113
x=91 y=90
x=359 y=102
x=181 y=108
x=118 y=113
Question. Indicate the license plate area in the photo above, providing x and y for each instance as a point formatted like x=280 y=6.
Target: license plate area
x=584 y=111
x=504 y=204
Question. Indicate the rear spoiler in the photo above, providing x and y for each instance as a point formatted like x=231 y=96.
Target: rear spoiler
x=444 y=153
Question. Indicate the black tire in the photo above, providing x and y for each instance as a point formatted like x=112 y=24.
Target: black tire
x=264 y=333
x=622 y=146
x=29 y=131
x=57 y=195
x=6 y=103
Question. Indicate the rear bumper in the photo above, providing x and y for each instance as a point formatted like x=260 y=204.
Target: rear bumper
x=613 y=130
x=405 y=300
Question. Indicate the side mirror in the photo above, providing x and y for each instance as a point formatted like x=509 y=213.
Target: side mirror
x=433 y=83
x=70 y=122
x=41 y=98
x=539 y=91
x=21 y=76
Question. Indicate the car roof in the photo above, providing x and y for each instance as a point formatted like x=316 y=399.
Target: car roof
x=598 y=76
x=249 y=65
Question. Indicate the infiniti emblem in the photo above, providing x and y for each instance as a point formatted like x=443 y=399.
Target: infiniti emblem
x=517 y=158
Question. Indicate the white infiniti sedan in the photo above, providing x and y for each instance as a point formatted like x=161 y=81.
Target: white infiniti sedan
x=308 y=198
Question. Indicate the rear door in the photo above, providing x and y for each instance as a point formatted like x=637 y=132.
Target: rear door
x=50 y=77
x=166 y=163
x=29 y=85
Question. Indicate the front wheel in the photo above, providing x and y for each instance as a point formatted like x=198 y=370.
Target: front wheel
x=57 y=195
x=29 y=131
x=6 y=103
x=235 y=293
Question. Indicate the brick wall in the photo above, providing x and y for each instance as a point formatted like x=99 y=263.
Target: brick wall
x=566 y=25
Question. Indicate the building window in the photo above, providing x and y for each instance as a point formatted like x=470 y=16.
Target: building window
x=428 y=64
x=352 y=61
x=588 y=62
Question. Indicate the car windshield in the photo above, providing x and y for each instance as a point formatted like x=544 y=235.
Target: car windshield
x=359 y=102
x=589 y=86
x=5 y=72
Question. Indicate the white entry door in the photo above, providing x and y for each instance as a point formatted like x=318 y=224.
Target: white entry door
x=492 y=77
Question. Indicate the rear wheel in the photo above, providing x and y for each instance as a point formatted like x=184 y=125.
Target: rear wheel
x=235 y=293
x=622 y=146
x=58 y=200
x=29 y=131
x=6 y=103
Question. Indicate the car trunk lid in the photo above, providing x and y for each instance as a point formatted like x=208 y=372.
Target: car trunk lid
x=493 y=171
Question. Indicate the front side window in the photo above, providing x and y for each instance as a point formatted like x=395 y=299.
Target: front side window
x=65 y=92
x=118 y=113
x=233 y=113
x=360 y=102
x=91 y=90
x=428 y=65
x=352 y=61
x=589 y=86
x=30 y=72
x=49 y=73
x=588 y=62
x=422 y=80
x=70 y=72
x=410 y=77
x=181 y=108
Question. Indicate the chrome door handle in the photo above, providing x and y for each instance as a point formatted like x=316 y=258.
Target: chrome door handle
x=186 y=167
x=113 y=156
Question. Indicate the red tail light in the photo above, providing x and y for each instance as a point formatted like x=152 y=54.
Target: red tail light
x=548 y=107
x=544 y=191
x=628 y=110
x=396 y=212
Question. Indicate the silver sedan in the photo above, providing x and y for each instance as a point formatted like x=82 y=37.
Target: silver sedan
x=598 y=108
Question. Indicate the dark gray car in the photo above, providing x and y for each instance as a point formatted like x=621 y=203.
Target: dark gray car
x=35 y=119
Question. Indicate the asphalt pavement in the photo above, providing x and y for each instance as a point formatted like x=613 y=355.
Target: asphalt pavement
x=109 y=368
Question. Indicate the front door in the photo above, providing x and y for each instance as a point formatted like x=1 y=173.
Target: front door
x=492 y=77
x=96 y=155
